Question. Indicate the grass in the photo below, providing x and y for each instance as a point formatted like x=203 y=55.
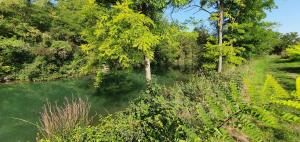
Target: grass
x=56 y=120
x=284 y=71
x=25 y=100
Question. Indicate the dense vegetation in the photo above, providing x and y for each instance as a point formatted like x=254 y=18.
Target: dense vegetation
x=215 y=100
x=45 y=40
x=201 y=109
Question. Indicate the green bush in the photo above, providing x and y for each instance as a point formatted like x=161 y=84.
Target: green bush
x=293 y=51
x=32 y=70
x=13 y=54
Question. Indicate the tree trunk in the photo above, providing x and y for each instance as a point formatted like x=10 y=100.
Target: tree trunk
x=148 y=70
x=220 y=33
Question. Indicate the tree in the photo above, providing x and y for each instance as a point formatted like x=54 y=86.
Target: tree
x=122 y=37
x=218 y=16
x=286 y=40
x=147 y=38
x=247 y=28
x=255 y=38
x=68 y=20
x=153 y=9
x=40 y=36
x=20 y=27
x=177 y=48
x=224 y=13
x=227 y=50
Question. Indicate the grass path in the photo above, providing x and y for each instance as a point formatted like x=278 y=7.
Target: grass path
x=283 y=70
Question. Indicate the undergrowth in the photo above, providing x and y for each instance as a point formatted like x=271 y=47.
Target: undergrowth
x=207 y=107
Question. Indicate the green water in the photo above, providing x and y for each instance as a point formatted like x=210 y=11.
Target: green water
x=25 y=100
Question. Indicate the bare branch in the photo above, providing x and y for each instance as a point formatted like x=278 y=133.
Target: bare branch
x=171 y=15
x=191 y=8
x=200 y=8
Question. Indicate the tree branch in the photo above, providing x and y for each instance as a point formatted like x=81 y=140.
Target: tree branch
x=228 y=119
x=200 y=8
x=171 y=14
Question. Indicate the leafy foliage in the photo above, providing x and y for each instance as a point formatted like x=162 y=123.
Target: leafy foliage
x=13 y=52
x=120 y=33
x=122 y=37
x=40 y=31
x=293 y=51
x=212 y=51
x=272 y=95
x=286 y=40
x=177 y=47
x=255 y=38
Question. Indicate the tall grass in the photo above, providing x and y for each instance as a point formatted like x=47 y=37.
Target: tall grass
x=59 y=120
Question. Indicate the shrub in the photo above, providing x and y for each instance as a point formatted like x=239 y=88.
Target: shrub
x=60 y=50
x=13 y=54
x=32 y=70
x=293 y=51
x=270 y=97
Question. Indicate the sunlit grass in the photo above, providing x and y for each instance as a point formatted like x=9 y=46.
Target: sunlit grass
x=285 y=71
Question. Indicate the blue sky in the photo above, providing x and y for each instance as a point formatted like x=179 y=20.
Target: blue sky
x=287 y=15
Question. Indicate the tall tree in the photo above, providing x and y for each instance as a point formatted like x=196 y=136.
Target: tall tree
x=286 y=40
x=226 y=12
x=121 y=36
x=249 y=30
x=154 y=9
x=132 y=36
x=217 y=15
x=220 y=5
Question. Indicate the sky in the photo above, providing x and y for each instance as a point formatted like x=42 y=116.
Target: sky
x=287 y=15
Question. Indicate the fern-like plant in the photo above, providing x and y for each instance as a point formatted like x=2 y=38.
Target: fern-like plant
x=272 y=95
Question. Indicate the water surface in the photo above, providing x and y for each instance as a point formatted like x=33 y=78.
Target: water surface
x=25 y=101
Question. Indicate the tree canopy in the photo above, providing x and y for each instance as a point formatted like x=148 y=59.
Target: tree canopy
x=64 y=37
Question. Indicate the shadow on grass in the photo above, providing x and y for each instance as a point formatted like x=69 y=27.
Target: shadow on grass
x=287 y=60
x=286 y=81
x=290 y=69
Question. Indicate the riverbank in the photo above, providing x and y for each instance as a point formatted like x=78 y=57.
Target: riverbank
x=25 y=100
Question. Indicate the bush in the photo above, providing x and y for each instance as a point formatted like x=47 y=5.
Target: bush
x=32 y=70
x=294 y=51
x=60 y=50
x=13 y=54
